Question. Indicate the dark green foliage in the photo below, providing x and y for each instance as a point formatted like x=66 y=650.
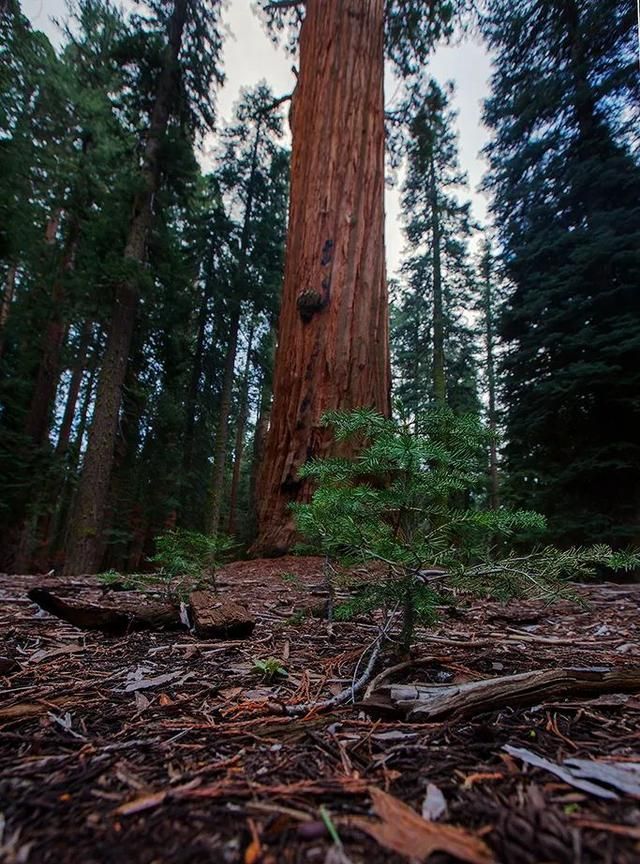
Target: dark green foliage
x=186 y=561
x=407 y=501
x=71 y=141
x=566 y=185
x=189 y=560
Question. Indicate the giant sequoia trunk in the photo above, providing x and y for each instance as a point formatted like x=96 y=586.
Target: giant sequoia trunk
x=90 y=504
x=333 y=333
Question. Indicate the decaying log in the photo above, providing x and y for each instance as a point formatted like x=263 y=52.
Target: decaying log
x=426 y=702
x=216 y=617
x=122 y=613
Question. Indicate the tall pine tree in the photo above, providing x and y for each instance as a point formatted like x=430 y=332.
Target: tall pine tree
x=432 y=335
x=566 y=191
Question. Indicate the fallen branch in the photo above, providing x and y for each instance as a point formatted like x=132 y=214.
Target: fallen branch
x=344 y=695
x=425 y=702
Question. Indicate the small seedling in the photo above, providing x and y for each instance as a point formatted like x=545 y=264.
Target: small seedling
x=270 y=668
x=411 y=500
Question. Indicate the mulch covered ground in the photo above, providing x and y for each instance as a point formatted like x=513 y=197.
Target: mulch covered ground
x=159 y=747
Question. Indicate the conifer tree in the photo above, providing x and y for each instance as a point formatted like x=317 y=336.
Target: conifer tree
x=566 y=188
x=187 y=66
x=433 y=343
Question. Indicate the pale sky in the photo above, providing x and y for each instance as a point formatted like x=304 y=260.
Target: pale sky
x=249 y=56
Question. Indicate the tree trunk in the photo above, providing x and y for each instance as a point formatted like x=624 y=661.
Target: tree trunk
x=7 y=300
x=83 y=419
x=79 y=366
x=90 y=505
x=494 y=485
x=220 y=452
x=44 y=394
x=241 y=423
x=333 y=350
x=65 y=500
x=261 y=430
x=439 y=377
x=196 y=373
x=238 y=291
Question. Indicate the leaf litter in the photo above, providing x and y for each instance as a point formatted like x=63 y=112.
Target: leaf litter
x=158 y=746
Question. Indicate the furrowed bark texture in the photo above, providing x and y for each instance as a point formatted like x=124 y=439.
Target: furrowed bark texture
x=90 y=505
x=333 y=332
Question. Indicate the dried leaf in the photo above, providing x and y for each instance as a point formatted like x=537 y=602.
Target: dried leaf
x=229 y=693
x=434 y=806
x=401 y=830
x=253 y=852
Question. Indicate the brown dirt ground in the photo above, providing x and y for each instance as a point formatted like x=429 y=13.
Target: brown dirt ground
x=197 y=767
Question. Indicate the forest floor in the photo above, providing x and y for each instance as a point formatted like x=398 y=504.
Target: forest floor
x=159 y=747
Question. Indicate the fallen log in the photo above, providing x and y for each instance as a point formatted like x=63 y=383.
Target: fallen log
x=428 y=702
x=118 y=615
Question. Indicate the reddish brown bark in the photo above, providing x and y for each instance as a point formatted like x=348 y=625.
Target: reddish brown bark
x=333 y=332
x=91 y=501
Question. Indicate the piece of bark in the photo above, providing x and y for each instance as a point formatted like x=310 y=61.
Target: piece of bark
x=118 y=615
x=216 y=617
x=426 y=702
